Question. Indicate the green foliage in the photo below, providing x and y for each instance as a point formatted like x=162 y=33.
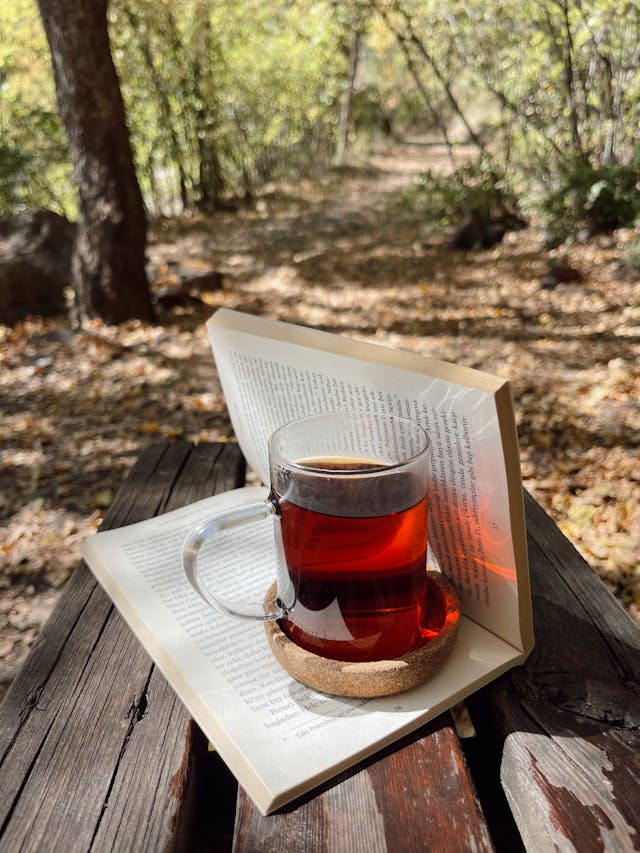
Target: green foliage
x=596 y=199
x=632 y=257
x=472 y=190
x=548 y=84
x=14 y=166
x=224 y=97
x=34 y=163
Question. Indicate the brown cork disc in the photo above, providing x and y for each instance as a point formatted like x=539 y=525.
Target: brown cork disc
x=375 y=678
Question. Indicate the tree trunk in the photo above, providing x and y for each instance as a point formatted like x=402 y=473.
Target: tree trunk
x=347 y=95
x=109 y=256
x=411 y=36
x=164 y=101
x=569 y=76
x=434 y=114
x=207 y=115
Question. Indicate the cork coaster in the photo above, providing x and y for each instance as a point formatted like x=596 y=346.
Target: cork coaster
x=375 y=678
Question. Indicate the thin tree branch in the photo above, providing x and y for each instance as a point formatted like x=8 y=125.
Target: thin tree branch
x=413 y=70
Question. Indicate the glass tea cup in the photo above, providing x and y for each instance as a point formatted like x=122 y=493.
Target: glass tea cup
x=348 y=500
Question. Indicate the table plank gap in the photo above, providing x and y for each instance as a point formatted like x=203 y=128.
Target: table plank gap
x=74 y=719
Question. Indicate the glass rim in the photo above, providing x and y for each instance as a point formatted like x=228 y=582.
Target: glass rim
x=375 y=469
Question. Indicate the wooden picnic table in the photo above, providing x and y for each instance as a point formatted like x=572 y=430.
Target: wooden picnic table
x=97 y=753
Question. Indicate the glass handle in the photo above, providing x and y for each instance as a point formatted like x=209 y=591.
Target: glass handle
x=210 y=527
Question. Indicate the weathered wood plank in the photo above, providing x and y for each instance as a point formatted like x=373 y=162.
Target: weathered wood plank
x=89 y=715
x=416 y=795
x=568 y=722
x=95 y=749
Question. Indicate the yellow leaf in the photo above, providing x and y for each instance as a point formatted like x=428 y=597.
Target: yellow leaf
x=150 y=427
x=103 y=499
x=172 y=432
x=568 y=528
x=581 y=514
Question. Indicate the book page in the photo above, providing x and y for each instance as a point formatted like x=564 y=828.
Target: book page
x=270 y=382
x=278 y=736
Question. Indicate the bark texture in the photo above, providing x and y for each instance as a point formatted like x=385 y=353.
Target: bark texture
x=108 y=267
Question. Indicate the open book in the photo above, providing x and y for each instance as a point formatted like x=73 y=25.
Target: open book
x=277 y=736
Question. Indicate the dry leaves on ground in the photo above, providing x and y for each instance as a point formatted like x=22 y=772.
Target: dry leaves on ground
x=339 y=254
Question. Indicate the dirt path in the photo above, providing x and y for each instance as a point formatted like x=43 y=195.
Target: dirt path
x=340 y=253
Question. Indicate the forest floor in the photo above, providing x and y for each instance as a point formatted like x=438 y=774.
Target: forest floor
x=344 y=254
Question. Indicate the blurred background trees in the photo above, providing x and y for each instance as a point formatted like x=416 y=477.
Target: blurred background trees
x=536 y=101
